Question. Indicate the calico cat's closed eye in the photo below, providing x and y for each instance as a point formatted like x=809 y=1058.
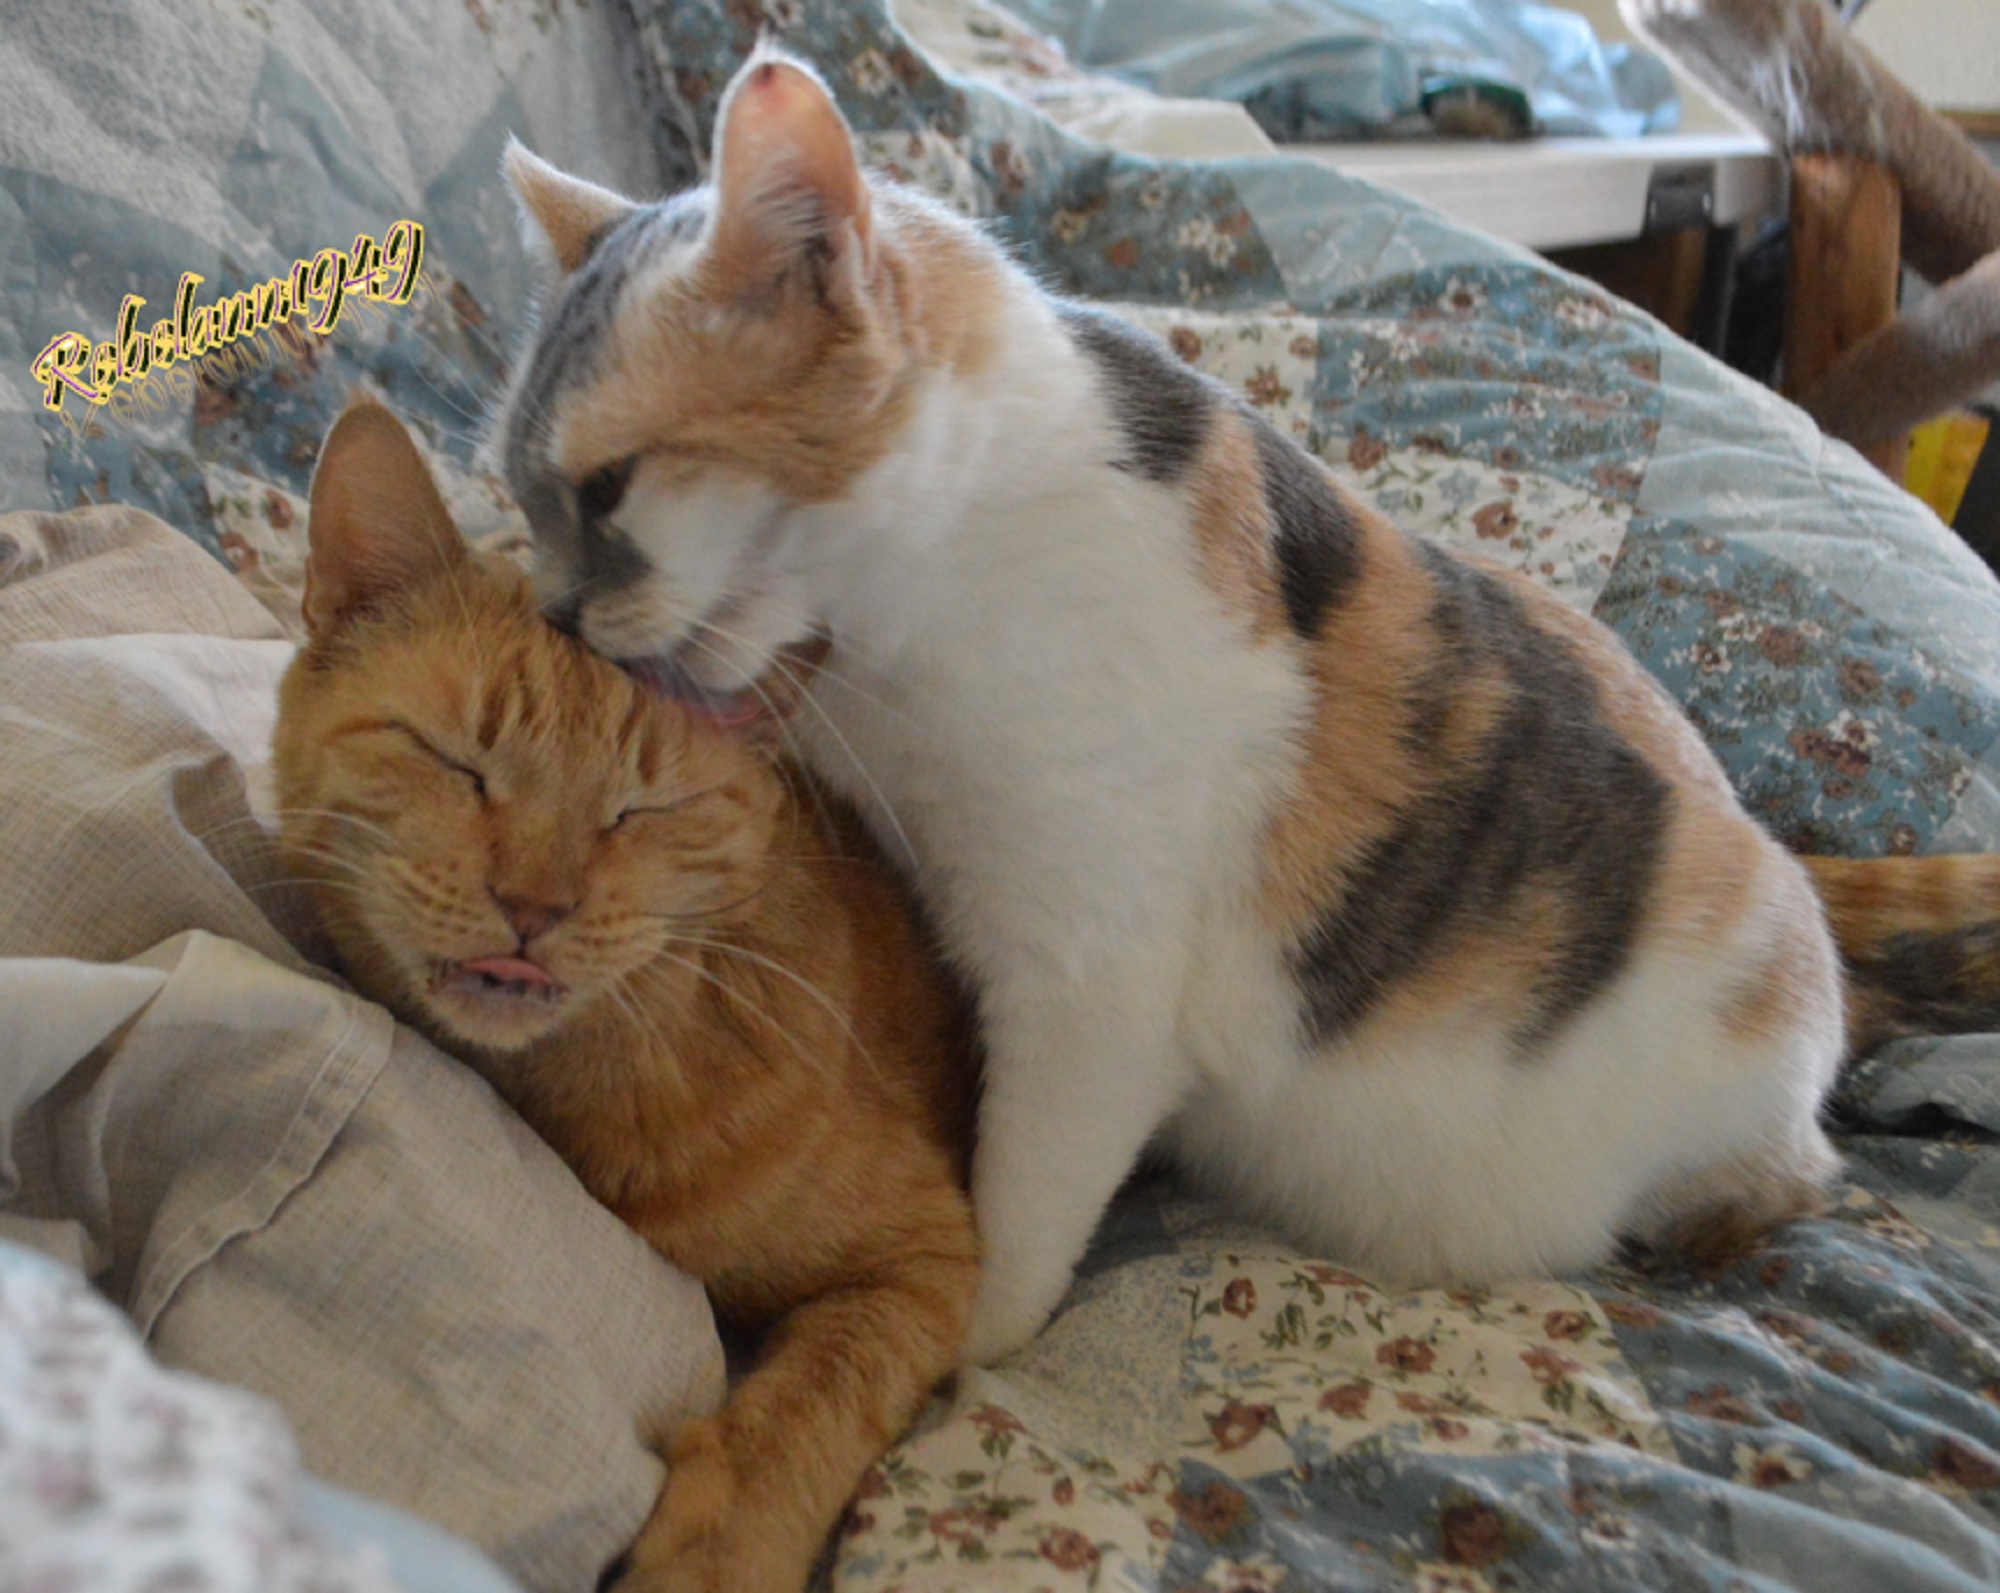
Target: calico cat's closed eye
x=600 y=492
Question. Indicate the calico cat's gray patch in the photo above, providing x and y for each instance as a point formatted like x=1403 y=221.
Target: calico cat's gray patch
x=1316 y=535
x=1556 y=798
x=1163 y=408
x=566 y=353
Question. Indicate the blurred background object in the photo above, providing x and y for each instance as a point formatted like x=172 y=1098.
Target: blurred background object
x=1314 y=71
x=1883 y=185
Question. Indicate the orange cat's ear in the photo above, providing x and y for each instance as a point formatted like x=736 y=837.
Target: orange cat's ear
x=560 y=214
x=786 y=175
x=377 y=525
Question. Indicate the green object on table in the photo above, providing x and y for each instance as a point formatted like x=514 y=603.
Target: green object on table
x=1476 y=107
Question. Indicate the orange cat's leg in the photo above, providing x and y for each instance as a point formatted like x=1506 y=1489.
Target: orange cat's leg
x=752 y=1492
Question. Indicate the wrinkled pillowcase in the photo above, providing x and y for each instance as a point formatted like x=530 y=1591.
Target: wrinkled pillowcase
x=286 y=1190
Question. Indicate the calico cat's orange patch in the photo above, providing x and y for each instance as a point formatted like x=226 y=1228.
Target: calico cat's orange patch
x=707 y=993
x=1373 y=651
x=1232 y=527
x=1779 y=994
x=789 y=396
x=950 y=305
x=1728 y=1211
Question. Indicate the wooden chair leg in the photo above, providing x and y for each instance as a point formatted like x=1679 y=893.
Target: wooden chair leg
x=1845 y=267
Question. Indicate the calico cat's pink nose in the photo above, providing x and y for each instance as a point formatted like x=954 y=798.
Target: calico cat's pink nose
x=531 y=918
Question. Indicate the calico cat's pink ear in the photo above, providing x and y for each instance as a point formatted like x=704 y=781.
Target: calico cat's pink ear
x=377 y=525
x=560 y=214
x=786 y=175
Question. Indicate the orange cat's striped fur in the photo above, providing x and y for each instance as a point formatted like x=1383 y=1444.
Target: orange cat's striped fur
x=708 y=997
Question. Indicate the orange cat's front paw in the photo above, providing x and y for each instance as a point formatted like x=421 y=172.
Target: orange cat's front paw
x=681 y=1547
x=701 y=1538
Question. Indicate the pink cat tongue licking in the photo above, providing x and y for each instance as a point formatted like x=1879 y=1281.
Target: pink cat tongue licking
x=772 y=697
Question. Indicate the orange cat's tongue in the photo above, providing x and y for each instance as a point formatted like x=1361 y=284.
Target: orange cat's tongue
x=513 y=970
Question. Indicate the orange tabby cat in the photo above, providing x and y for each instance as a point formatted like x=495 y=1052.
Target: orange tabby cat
x=712 y=1002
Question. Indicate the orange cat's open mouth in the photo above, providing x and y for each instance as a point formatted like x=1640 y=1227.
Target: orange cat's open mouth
x=773 y=695
x=505 y=977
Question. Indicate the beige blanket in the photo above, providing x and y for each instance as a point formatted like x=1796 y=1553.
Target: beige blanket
x=283 y=1188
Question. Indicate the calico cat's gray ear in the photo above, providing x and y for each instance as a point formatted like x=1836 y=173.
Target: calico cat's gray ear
x=377 y=525
x=786 y=174
x=560 y=214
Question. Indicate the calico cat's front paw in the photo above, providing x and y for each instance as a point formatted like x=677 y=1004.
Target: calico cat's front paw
x=1005 y=1315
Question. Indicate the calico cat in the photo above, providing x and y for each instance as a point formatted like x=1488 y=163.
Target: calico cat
x=1379 y=889
x=710 y=999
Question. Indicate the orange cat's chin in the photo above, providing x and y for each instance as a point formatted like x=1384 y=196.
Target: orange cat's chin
x=499 y=1003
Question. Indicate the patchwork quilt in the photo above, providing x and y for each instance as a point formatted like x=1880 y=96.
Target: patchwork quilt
x=1210 y=1410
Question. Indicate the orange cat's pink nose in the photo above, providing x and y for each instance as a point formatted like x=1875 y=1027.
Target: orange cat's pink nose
x=531 y=918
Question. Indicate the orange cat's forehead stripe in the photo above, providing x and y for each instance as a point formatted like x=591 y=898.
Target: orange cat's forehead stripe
x=492 y=715
x=638 y=739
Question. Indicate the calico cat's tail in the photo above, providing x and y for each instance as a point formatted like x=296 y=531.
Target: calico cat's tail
x=1920 y=938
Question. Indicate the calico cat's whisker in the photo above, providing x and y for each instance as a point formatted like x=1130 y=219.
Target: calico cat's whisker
x=446 y=357
x=881 y=797
x=846 y=682
x=804 y=682
x=437 y=429
x=562 y=595
x=755 y=687
x=847 y=747
x=783 y=723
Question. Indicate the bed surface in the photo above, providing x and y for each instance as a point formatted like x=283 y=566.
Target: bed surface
x=1209 y=1410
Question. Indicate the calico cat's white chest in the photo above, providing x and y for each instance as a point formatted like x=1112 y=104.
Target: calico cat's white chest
x=1069 y=740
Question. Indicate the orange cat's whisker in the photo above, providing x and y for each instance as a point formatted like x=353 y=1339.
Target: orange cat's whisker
x=800 y=1050
x=820 y=996
x=258 y=823
x=352 y=887
x=847 y=683
x=709 y=915
x=331 y=814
